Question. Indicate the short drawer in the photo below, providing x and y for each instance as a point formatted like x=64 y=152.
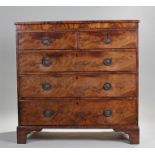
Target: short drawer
x=45 y=61
x=46 y=40
x=78 y=85
x=70 y=112
x=107 y=39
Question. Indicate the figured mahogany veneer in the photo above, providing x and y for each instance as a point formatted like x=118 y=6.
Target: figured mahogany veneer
x=57 y=40
x=122 y=60
x=78 y=112
x=77 y=74
x=90 y=85
x=119 y=39
x=76 y=25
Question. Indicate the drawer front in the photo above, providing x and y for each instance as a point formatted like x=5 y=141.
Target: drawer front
x=107 y=39
x=77 y=61
x=46 y=40
x=89 y=112
x=86 y=85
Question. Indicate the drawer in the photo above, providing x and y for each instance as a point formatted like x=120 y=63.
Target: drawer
x=107 y=39
x=44 y=61
x=90 y=112
x=77 y=85
x=46 y=40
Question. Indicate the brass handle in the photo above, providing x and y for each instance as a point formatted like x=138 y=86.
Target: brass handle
x=48 y=113
x=46 y=62
x=107 y=112
x=107 y=86
x=107 y=40
x=46 y=86
x=107 y=61
x=46 y=41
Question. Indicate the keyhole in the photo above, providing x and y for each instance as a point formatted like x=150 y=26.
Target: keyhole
x=77 y=77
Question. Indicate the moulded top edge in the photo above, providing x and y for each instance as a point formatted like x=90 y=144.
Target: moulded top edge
x=74 y=21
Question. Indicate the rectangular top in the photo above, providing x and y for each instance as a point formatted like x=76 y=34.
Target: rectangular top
x=76 y=21
x=75 y=25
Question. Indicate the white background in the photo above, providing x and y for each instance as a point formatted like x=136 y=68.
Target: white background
x=8 y=100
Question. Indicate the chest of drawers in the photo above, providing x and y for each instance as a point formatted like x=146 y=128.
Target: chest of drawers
x=77 y=74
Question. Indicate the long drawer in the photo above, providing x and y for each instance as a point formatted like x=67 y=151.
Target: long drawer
x=50 y=61
x=77 y=85
x=71 y=112
x=107 y=39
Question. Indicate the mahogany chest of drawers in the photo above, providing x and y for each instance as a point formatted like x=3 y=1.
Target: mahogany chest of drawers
x=77 y=74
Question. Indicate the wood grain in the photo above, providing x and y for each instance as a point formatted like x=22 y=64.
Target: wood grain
x=80 y=112
x=119 y=39
x=78 y=85
x=22 y=133
x=31 y=61
x=58 y=40
x=76 y=25
x=132 y=132
x=77 y=75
